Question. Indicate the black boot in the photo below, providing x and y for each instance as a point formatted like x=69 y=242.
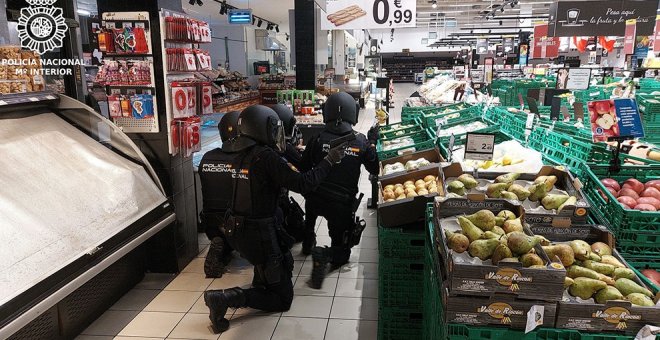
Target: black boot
x=309 y=242
x=214 y=265
x=218 y=301
x=321 y=257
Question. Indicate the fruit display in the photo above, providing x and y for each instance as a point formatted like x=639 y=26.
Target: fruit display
x=508 y=156
x=397 y=143
x=462 y=129
x=389 y=169
x=423 y=186
x=633 y=194
x=395 y=127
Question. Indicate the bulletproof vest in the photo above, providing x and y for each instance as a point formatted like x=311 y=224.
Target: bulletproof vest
x=253 y=196
x=347 y=173
x=215 y=174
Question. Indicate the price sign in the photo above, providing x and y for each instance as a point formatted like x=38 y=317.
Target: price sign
x=479 y=146
x=452 y=141
x=366 y=14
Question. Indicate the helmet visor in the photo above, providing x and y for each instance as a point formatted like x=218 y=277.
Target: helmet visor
x=279 y=137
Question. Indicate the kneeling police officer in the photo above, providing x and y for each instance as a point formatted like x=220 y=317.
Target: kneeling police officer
x=258 y=175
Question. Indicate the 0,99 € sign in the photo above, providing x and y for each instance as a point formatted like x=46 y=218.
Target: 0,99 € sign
x=368 y=14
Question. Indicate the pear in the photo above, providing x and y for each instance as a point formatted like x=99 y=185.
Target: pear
x=624 y=273
x=610 y=281
x=456 y=187
x=542 y=240
x=567 y=282
x=483 y=249
x=507 y=214
x=626 y=287
x=468 y=181
x=608 y=294
x=510 y=260
x=512 y=225
x=519 y=243
x=495 y=190
x=520 y=191
x=552 y=201
x=602 y=268
x=508 y=178
x=457 y=241
x=570 y=201
x=549 y=182
x=499 y=221
x=501 y=252
x=470 y=230
x=563 y=251
x=529 y=260
x=537 y=192
x=576 y=271
x=498 y=230
x=483 y=219
x=490 y=235
x=601 y=249
x=639 y=299
x=581 y=249
x=584 y=288
x=509 y=195
x=609 y=259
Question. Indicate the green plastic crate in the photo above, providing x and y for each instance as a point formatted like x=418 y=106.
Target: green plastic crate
x=399 y=324
x=400 y=283
x=395 y=127
x=466 y=332
x=400 y=243
x=499 y=138
x=422 y=141
x=401 y=132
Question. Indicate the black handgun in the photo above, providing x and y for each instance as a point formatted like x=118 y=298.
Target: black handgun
x=341 y=140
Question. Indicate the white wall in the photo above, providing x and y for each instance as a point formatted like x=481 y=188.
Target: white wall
x=236 y=44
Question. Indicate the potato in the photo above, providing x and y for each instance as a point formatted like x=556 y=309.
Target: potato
x=388 y=194
x=409 y=190
x=408 y=183
x=433 y=190
x=419 y=182
x=389 y=200
x=422 y=192
x=429 y=178
x=400 y=197
x=399 y=191
x=420 y=186
x=398 y=185
x=389 y=187
x=411 y=194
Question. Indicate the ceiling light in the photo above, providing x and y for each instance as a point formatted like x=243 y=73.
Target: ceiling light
x=259 y=23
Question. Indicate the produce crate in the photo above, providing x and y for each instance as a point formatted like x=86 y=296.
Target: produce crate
x=400 y=132
x=388 y=129
x=431 y=155
x=609 y=212
x=468 y=332
x=432 y=302
x=500 y=137
x=465 y=115
x=400 y=283
x=400 y=243
x=422 y=140
x=399 y=324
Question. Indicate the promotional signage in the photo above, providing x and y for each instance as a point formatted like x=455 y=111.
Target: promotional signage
x=482 y=46
x=600 y=18
x=544 y=46
x=523 y=54
x=369 y=14
x=629 y=38
x=488 y=69
x=656 y=41
x=615 y=119
x=479 y=146
x=573 y=78
x=499 y=51
x=507 y=44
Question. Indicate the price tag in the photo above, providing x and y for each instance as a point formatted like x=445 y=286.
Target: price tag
x=530 y=121
x=521 y=101
x=479 y=146
x=450 y=147
x=2 y=102
x=367 y=14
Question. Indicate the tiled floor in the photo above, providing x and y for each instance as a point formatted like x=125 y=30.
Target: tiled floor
x=166 y=306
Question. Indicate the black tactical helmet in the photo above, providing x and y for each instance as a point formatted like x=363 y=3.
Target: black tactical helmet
x=261 y=124
x=340 y=107
x=286 y=116
x=228 y=126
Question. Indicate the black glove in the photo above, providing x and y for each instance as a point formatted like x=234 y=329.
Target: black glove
x=336 y=154
x=373 y=135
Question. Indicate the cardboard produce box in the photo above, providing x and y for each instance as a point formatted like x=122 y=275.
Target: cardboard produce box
x=535 y=213
x=467 y=276
x=431 y=155
x=408 y=210
x=497 y=310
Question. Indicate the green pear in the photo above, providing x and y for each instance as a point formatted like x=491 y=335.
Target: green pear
x=468 y=181
x=602 y=268
x=520 y=191
x=490 y=235
x=640 y=299
x=552 y=201
x=512 y=225
x=483 y=219
x=495 y=190
x=576 y=271
x=567 y=282
x=520 y=244
x=584 y=287
x=549 y=182
x=470 y=230
x=608 y=294
x=509 y=195
x=507 y=215
x=581 y=249
x=570 y=201
x=498 y=230
x=483 y=249
x=456 y=187
x=624 y=273
x=542 y=240
x=609 y=259
x=627 y=286
x=537 y=192
x=457 y=241
x=508 y=178
x=499 y=221
x=562 y=251
x=501 y=252
x=529 y=260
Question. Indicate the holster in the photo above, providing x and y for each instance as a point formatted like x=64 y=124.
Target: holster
x=354 y=231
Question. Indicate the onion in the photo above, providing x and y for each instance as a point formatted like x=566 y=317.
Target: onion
x=651 y=192
x=649 y=200
x=628 y=192
x=634 y=184
x=654 y=183
x=645 y=207
x=611 y=183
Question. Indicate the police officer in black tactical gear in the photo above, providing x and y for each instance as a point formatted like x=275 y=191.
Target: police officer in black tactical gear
x=259 y=173
x=215 y=177
x=291 y=134
x=335 y=198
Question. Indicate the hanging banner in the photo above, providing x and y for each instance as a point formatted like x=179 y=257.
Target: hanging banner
x=482 y=46
x=369 y=14
x=600 y=18
x=629 y=37
x=656 y=40
x=507 y=43
x=544 y=46
x=499 y=51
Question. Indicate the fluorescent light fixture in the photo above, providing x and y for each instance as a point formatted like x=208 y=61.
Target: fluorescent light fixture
x=83 y=12
x=435 y=4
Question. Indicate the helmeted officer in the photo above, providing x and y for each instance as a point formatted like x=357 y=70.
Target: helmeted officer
x=215 y=178
x=259 y=173
x=334 y=199
x=292 y=134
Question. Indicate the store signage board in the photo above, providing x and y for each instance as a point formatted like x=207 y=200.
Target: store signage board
x=369 y=14
x=479 y=146
x=600 y=18
x=615 y=120
x=482 y=45
x=656 y=41
x=573 y=78
x=544 y=46
x=239 y=16
x=523 y=54
x=630 y=37
x=507 y=44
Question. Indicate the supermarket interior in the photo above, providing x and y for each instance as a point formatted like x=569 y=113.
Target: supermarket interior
x=330 y=169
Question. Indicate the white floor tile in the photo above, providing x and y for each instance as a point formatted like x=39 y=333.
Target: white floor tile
x=297 y=266
x=135 y=338
x=110 y=323
x=94 y=337
x=322 y=231
x=310 y=306
x=200 y=307
x=370 y=231
x=307 y=270
x=323 y=240
x=193 y=326
x=364 y=255
x=231 y=280
x=362 y=270
x=250 y=327
x=290 y=328
x=328 y=288
x=155 y=281
x=296 y=251
x=253 y=312
x=173 y=301
x=192 y=282
x=152 y=324
x=135 y=299
x=351 y=329
x=202 y=239
x=357 y=288
x=195 y=266
x=354 y=308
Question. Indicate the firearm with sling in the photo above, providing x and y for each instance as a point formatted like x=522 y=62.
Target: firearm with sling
x=341 y=140
x=354 y=232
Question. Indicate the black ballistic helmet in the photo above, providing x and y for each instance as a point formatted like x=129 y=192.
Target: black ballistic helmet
x=261 y=124
x=340 y=107
x=286 y=116
x=228 y=126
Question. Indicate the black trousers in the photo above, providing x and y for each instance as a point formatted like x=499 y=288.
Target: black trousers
x=340 y=218
x=212 y=222
x=270 y=297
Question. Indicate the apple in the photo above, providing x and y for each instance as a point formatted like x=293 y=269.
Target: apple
x=602 y=107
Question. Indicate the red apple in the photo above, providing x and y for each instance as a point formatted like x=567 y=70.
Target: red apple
x=652 y=275
x=602 y=107
x=611 y=183
x=645 y=207
x=634 y=184
x=627 y=200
